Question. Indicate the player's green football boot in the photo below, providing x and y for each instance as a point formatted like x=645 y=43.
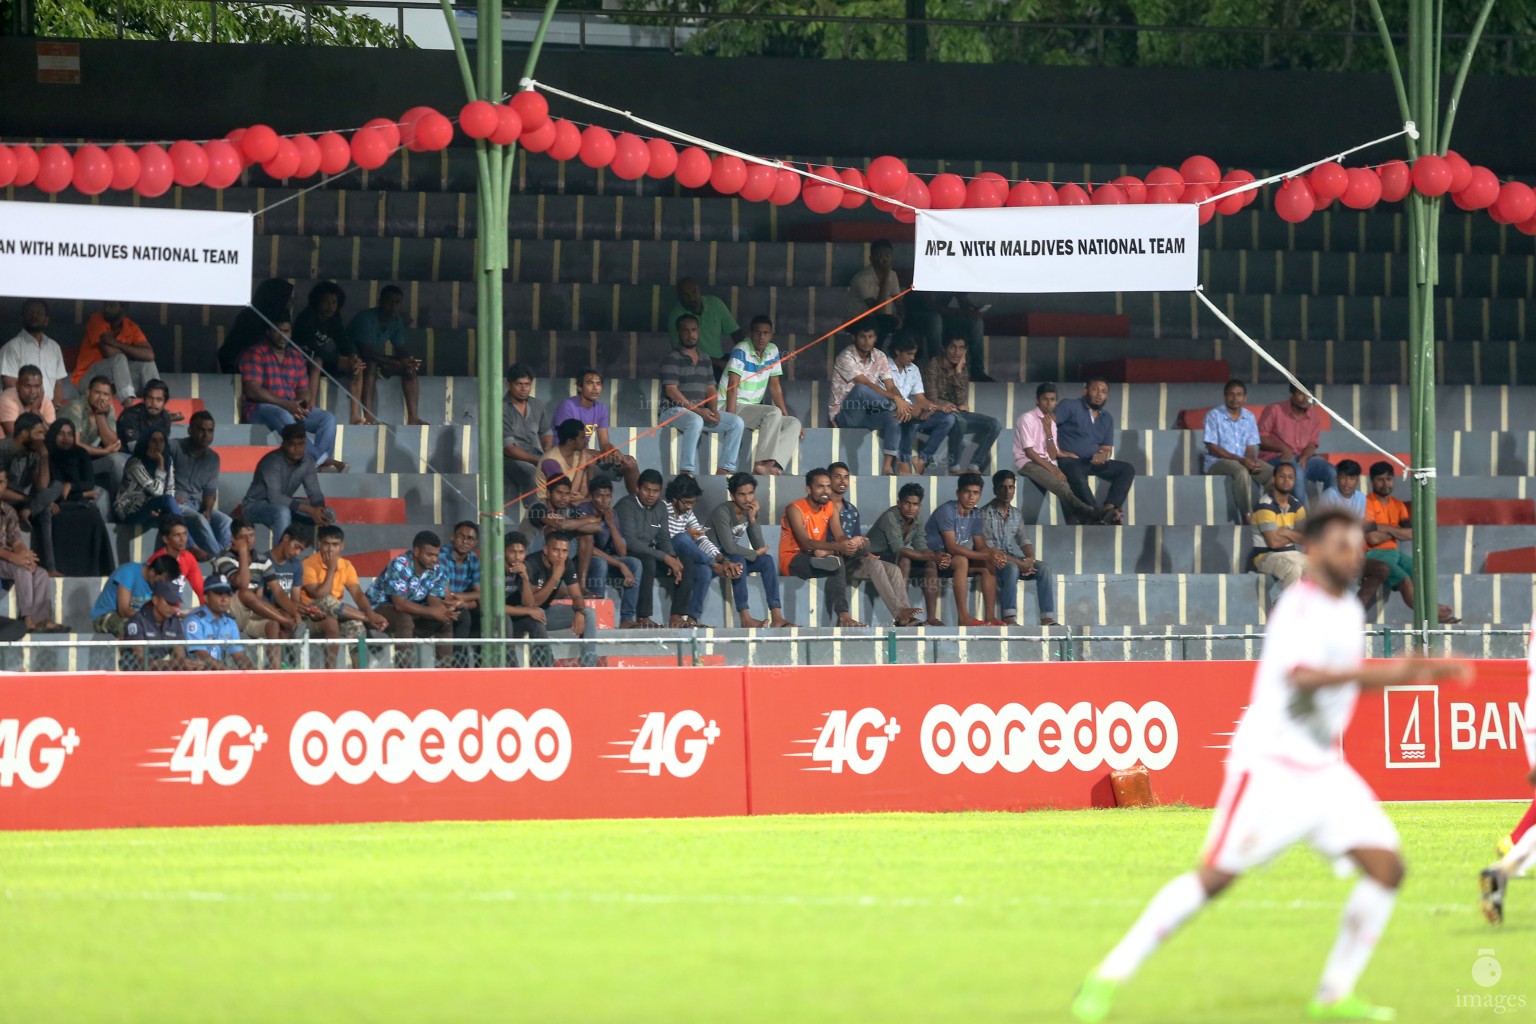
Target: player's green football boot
x=1094 y=999
x=1349 y=1008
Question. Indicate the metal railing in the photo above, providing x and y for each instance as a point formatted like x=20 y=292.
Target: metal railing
x=799 y=647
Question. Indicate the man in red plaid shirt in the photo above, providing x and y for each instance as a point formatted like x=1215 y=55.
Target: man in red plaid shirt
x=279 y=385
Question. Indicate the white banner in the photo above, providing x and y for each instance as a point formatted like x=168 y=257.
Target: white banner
x=131 y=254
x=1150 y=248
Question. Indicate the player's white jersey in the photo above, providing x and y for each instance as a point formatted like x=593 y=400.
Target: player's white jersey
x=1308 y=627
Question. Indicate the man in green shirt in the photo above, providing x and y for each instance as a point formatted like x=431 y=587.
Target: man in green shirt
x=899 y=536
x=715 y=321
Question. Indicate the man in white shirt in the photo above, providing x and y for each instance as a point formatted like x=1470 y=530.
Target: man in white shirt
x=1287 y=781
x=752 y=391
x=872 y=286
x=925 y=414
x=33 y=347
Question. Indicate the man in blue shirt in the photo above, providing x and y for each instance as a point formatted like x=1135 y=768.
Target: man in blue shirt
x=126 y=591
x=1085 y=436
x=412 y=591
x=1232 y=448
x=159 y=618
x=957 y=528
x=376 y=338
x=213 y=635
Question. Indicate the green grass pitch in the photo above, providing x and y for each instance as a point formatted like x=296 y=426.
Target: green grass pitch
x=892 y=917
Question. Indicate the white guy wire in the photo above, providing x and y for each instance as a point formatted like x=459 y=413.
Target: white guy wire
x=1409 y=128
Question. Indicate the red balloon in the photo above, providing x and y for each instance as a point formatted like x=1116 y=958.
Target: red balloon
x=728 y=174
x=509 y=126
x=370 y=148
x=1295 y=201
x=1108 y=194
x=7 y=166
x=284 y=164
x=567 y=141
x=1482 y=190
x=663 y=158
x=433 y=133
x=156 y=173
x=983 y=194
x=233 y=138
x=388 y=129
x=1024 y=194
x=258 y=144
x=225 y=165
x=597 y=147
x=1527 y=227
x=1431 y=175
x=887 y=175
x=694 y=168
x=822 y=198
x=1497 y=216
x=92 y=171
x=1197 y=193
x=1048 y=194
x=478 y=119
x=532 y=109
x=335 y=154
x=26 y=165
x=1073 y=195
x=786 y=188
x=408 y=122
x=1320 y=204
x=947 y=191
x=631 y=158
x=191 y=163
x=916 y=194
x=1461 y=171
x=1364 y=189
x=903 y=214
x=1165 y=176
x=1328 y=182
x=853 y=200
x=125 y=164
x=1516 y=202
x=309 y=156
x=1164 y=191
x=1231 y=204
x=1135 y=188
x=1200 y=170
x=1396 y=180
x=539 y=139
x=760 y=183
x=997 y=183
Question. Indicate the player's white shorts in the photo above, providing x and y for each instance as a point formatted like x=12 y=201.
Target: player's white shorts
x=1268 y=806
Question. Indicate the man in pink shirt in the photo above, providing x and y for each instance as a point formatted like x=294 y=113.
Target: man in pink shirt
x=1289 y=432
x=1034 y=453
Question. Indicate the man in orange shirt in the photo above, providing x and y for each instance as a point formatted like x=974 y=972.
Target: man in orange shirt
x=1387 y=522
x=116 y=347
x=812 y=544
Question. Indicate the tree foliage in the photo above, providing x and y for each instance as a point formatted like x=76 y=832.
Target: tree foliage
x=181 y=21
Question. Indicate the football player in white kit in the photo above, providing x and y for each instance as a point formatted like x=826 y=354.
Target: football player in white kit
x=1495 y=878
x=1287 y=781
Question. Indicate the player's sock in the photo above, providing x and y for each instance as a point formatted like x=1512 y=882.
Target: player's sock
x=1174 y=904
x=1525 y=824
x=1366 y=914
x=1513 y=862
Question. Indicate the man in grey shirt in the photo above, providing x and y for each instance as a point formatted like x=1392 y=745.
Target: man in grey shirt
x=733 y=525
x=197 y=487
x=280 y=475
x=642 y=520
x=525 y=434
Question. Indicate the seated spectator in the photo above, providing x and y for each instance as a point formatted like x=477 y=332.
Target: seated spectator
x=1013 y=556
x=30 y=487
x=149 y=482
x=812 y=545
x=320 y=333
x=702 y=561
x=213 y=635
x=944 y=317
x=1387 y=522
x=1345 y=492
x=96 y=431
x=926 y=416
x=270 y=303
x=587 y=406
x=283 y=583
x=272 y=498
x=463 y=565
x=1085 y=443
x=899 y=538
x=733 y=525
x=713 y=318
x=752 y=373
x=958 y=528
x=947 y=380
x=525 y=434
x=376 y=337
x=22 y=571
x=328 y=579
x=1035 y=454
x=81 y=507
x=249 y=571
x=1278 y=524
x=567 y=458
x=525 y=619
x=146 y=414
x=551 y=577
x=116 y=347
x=642 y=517
x=691 y=402
x=865 y=398
x=32 y=347
x=1290 y=432
x=175 y=542
x=25 y=396
x=197 y=486
x=412 y=592
x=610 y=563
x=872 y=286
x=1232 y=448
x=158 y=618
x=277 y=386
x=127 y=589
x=559 y=514
x=861 y=564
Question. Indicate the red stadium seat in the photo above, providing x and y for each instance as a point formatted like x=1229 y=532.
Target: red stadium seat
x=371 y=563
x=1486 y=512
x=385 y=511
x=1516 y=560
x=240 y=458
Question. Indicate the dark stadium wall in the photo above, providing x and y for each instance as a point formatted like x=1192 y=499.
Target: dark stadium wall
x=1260 y=119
